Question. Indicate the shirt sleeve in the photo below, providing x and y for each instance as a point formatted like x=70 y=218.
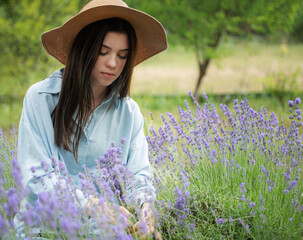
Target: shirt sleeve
x=138 y=163
x=36 y=144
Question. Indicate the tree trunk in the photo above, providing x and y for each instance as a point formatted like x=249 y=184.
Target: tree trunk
x=202 y=70
x=203 y=63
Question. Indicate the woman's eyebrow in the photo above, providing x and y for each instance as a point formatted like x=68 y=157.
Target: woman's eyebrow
x=126 y=49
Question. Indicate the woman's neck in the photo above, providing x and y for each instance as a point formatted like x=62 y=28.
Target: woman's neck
x=98 y=97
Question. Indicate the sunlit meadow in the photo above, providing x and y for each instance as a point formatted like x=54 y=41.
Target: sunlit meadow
x=218 y=174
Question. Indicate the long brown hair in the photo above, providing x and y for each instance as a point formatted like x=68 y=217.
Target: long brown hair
x=76 y=93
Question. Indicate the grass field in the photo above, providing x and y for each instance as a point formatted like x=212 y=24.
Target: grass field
x=240 y=67
x=162 y=83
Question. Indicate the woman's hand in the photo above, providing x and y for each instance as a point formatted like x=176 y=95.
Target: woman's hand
x=109 y=212
x=145 y=227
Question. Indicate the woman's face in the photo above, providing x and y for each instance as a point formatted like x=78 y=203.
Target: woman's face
x=110 y=62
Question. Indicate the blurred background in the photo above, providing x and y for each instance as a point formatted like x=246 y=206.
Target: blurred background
x=227 y=48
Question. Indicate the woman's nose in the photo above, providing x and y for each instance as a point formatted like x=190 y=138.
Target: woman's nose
x=111 y=62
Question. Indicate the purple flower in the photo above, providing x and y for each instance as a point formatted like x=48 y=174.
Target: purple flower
x=293 y=184
x=62 y=168
x=297 y=101
x=13 y=202
x=123 y=140
x=242 y=187
x=214 y=161
x=252 y=205
x=33 y=169
x=221 y=221
x=54 y=162
x=291 y=103
x=70 y=226
x=3 y=225
x=44 y=165
x=16 y=173
x=28 y=216
x=298 y=112
x=192 y=226
x=261 y=199
x=286 y=176
x=205 y=96
x=247 y=228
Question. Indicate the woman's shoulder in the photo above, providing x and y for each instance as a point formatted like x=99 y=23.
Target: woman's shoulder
x=50 y=85
x=131 y=110
x=129 y=104
x=43 y=96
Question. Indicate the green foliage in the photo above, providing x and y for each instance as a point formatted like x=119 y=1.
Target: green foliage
x=297 y=32
x=21 y=24
x=197 y=23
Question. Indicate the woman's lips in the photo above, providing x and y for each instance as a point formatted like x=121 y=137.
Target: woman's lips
x=108 y=75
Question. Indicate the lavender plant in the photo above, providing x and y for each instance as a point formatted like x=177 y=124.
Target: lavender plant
x=238 y=176
x=57 y=214
x=233 y=175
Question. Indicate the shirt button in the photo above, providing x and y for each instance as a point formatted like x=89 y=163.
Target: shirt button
x=80 y=162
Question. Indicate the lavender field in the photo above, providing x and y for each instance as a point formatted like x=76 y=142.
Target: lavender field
x=233 y=177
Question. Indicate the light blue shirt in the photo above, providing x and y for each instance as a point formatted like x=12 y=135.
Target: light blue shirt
x=36 y=139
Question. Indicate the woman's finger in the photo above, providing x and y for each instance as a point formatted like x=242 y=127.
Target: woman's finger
x=125 y=212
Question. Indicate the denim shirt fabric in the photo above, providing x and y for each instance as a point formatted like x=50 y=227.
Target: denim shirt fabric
x=36 y=140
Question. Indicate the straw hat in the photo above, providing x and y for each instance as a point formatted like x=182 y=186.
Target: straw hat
x=150 y=33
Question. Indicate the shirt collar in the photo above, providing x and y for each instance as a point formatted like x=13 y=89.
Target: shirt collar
x=110 y=97
x=53 y=83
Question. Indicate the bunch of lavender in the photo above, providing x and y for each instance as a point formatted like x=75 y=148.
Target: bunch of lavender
x=243 y=172
x=111 y=179
x=57 y=214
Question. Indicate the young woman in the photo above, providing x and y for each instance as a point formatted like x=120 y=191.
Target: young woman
x=77 y=112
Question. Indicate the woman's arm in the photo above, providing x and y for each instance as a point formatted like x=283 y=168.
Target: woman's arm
x=36 y=144
x=143 y=192
x=138 y=163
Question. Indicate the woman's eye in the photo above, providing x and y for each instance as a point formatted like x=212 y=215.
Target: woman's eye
x=123 y=57
x=103 y=53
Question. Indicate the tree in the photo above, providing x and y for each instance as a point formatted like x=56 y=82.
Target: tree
x=297 y=31
x=201 y=24
x=21 y=24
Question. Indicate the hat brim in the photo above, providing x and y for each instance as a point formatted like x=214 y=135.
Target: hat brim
x=150 y=33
